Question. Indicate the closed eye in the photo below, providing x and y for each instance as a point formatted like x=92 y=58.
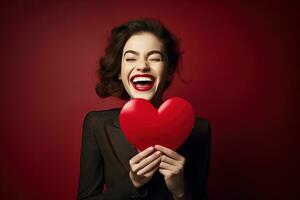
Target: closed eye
x=155 y=59
x=130 y=59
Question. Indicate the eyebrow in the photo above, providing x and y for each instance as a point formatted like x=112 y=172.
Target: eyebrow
x=148 y=54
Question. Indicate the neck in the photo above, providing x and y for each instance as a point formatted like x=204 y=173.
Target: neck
x=156 y=101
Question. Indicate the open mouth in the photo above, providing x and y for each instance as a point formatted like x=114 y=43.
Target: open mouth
x=142 y=82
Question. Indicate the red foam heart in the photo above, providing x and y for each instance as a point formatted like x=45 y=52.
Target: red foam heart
x=144 y=125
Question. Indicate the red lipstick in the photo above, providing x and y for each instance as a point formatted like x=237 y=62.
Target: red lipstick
x=142 y=82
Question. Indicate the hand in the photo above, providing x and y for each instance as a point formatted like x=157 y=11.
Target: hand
x=143 y=166
x=172 y=166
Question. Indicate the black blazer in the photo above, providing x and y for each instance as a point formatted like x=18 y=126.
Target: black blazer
x=105 y=155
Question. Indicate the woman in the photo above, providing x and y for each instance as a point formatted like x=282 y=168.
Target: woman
x=139 y=62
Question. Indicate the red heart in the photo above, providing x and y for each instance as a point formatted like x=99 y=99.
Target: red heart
x=144 y=125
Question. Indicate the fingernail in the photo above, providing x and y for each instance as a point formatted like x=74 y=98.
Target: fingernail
x=150 y=148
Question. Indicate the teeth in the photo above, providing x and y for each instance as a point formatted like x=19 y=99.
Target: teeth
x=136 y=79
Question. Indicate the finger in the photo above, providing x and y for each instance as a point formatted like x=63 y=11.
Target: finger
x=147 y=160
x=137 y=158
x=167 y=166
x=169 y=160
x=149 y=167
x=151 y=172
x=168 y=152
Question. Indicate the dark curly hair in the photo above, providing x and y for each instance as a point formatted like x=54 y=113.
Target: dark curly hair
x=110 y=64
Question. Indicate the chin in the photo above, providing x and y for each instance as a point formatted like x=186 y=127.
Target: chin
x=142 y=96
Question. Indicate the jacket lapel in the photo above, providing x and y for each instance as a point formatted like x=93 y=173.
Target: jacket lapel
x=123 y=150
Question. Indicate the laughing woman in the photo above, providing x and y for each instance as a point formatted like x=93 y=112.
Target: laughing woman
x=139 y=62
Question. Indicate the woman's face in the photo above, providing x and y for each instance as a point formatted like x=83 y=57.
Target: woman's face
x=144 y=66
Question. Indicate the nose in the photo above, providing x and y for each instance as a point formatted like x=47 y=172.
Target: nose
x=143 y=66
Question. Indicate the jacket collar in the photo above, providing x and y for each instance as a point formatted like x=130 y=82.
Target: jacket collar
x=116 y=121
x=123 y=150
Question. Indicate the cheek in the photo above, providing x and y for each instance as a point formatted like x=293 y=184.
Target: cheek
x=161 y=70
x=125 y=72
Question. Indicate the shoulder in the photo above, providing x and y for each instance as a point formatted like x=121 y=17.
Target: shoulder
x=201 y=129
x=202 y=124
x=100 y=116
x=199 y=137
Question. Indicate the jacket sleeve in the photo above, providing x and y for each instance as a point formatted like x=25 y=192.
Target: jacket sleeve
x=91 y=178
x=198 y=158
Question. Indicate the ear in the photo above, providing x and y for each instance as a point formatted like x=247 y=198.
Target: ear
x=119 y=76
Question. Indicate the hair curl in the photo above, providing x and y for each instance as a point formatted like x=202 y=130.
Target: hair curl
x=110 y=64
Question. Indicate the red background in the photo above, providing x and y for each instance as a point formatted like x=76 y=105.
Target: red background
x=240 y=61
